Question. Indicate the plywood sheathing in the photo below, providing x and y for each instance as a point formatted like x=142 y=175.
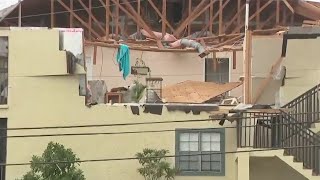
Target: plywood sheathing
x=195 y=91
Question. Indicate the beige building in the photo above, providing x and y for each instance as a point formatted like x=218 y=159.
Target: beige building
x=43 y=90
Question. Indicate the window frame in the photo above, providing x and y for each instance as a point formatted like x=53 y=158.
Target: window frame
x=199 y=131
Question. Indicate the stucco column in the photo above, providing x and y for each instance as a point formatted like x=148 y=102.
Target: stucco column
x=243 y=166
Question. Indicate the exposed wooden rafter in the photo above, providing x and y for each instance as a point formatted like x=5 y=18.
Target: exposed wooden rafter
x=254 y=15
x=78 y=18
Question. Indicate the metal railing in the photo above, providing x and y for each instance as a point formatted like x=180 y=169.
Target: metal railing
x=306 y=107
x=289 y=131
x=280 y=131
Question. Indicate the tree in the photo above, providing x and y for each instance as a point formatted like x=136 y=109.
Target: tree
x=55 y=152
x=155 y=165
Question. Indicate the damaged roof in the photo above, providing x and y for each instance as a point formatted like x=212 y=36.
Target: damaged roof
x=195 y=91
x=6 y=11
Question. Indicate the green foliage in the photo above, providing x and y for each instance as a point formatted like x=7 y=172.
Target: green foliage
x=154 y=165
x=137 y=91
x=54 y=152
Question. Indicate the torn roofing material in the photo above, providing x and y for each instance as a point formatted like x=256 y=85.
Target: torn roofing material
x=6 y=11
x=195 y=91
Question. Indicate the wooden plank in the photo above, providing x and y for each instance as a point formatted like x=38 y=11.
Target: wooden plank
x=258 y=4
x=214 y=63
x=164 y=16
x=284 y=16
x=235 y=17
x=239 y=16
x=211 y=18
x=220 y=17
x=78 y=18
x=266 y=81
x=189 y=13
x=278 y=12
x=107 y=7
x=20 y=15
x=247 y=69
x=268 y=21
x=187 y=21
x=139 y=13
x=134 y=16
x=228 y=41
x=288 y=5
x=52 y=14
x=117 y=21
x=234 y=59
x=91 y=16
x=155 y=49
x=71 y=15
x=215 y=16
x=95 y=55
x=254 y=15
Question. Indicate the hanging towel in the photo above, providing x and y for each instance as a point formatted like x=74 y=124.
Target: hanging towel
x=123 y=59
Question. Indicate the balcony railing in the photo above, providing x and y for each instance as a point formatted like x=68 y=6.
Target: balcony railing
x=306 y=107
x=280 y=131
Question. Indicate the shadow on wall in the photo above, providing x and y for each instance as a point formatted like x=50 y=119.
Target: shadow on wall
x=266 y=168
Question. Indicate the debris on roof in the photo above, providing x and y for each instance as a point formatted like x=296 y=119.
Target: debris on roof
x=196 y=91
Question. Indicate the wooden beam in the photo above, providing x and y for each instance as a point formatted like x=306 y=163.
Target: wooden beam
x=91 y=16
x=95 y=54
x=215 y=16
x=247 y=69
x=189 y=13
x=254 y=15
x=71 y=15
x=134 y=16
x=139 y=13
x=268 y=21
x=228 y=41
x=117 y=20
x=288 y=5
x=164 y=16
x=266 y=81
x=211 y=18
x=239 y=16
x=187 y=21
x=258 y=4
x=52 y=13
x=235 y=16
x=78 y=18
x=220 y=17
x=155 y=49
x=284 y=16
x=20 y=14
x=234 y=59
x=107 y=7
x=278 y=13
x=214 y=63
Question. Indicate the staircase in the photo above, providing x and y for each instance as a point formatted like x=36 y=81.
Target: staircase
x=293 y=134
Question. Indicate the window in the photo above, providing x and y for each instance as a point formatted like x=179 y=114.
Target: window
x=217 y=70
x=200 y=148
x=4 y=70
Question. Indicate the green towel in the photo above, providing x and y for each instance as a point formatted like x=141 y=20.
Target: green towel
x=123 y=59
